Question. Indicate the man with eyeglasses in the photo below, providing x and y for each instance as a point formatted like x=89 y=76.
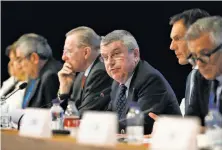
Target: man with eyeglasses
x=135 y=80
x=204 y=39
x=89 y=89
x=35 y=56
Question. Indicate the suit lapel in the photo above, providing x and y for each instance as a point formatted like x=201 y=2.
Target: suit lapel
x=77 y=91
x=33 y=91
x=88 y=77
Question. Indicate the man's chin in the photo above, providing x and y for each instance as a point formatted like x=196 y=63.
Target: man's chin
x=183 y=62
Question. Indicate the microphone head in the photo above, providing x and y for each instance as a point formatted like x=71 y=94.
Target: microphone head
x=23 y=85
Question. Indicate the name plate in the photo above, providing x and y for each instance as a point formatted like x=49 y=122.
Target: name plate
x=36 y=123
x=98 y=128
x=175 y=133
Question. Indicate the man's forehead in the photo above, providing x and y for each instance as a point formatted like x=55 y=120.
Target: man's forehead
x=178 y=29
x=112 y=46
x=202 y=43
x=19 y=50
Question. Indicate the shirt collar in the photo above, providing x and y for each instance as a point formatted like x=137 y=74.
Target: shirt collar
x=219 y=78
x=86 y=73
x=127 y=84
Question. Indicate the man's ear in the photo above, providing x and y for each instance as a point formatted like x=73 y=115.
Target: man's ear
x=34 y=57
x=87 y=52
x=136 y=54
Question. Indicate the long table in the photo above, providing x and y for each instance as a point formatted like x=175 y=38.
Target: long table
x=10 y=140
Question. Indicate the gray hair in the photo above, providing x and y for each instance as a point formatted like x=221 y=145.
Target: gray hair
x=211 y=25
x=120 y=35
x=87 y=37
x=31 y=43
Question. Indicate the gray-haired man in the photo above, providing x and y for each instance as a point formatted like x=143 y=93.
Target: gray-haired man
x=135 y=80
x=35 y=56
x=204 y=39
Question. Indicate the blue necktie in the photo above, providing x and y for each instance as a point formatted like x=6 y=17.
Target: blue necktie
x=28 y=93
x=213 y=104
x=121 y=101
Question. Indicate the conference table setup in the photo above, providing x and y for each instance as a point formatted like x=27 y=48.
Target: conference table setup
x=98 y=130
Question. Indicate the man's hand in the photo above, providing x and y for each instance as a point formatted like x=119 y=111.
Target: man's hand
x=153 y=116
x=66 y=77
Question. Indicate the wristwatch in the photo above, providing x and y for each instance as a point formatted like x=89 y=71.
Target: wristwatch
x=62 y=97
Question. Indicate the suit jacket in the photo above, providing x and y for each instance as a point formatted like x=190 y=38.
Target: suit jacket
x=199 y=99
x=46 y=86
x=150 y=90
x=96 y=92
x=203 y=94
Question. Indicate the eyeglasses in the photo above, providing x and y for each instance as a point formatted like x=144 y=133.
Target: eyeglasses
x=115 y=55
x=204 y=58
x=20 y=59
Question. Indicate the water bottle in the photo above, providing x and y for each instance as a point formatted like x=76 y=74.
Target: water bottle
x=213 y=123
x=135 y=129
x=5 y=118
x=56 y=115
x=71 y=118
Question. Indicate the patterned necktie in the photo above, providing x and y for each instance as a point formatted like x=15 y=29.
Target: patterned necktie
x=121 y=101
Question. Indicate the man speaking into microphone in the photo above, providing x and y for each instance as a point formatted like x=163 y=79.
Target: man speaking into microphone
x=89 y=89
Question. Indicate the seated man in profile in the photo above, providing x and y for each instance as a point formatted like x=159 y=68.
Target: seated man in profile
x=135 y=80
x=35 y=56
x=89 y=89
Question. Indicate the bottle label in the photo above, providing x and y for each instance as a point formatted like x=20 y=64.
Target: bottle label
x=135 y=134
x=5 y=121
x=57 y=120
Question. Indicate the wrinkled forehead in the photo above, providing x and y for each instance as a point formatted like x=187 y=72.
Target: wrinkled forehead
x=71 y=41
x=112 y=47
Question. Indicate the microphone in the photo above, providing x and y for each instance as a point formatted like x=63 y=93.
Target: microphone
x=21 y=87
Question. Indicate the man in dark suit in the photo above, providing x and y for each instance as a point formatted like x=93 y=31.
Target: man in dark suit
x=204 y=39
x=92 y=86
x=180 y=24
x=35 y=55
x=135 y=80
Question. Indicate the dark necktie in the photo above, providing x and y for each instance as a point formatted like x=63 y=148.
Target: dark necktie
x=213 y=95
x=121 y=101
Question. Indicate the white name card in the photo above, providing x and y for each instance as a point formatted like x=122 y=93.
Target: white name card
x=175 y=133
x=98 y=128
x=36 y=123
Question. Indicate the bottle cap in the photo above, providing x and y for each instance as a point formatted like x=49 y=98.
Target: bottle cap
x=55 y=101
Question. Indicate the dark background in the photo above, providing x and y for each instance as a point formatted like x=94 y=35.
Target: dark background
x=147 y=21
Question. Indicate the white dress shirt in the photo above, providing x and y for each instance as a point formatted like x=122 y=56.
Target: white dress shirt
x=219 y=88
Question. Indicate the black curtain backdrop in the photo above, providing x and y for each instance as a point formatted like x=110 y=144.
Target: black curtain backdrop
x=147 y=21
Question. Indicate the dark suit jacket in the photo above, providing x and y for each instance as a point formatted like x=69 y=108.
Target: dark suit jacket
x=96 y=92
x=151 y=91
x=200 y=97
x=46 y=85
x=200 y=106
